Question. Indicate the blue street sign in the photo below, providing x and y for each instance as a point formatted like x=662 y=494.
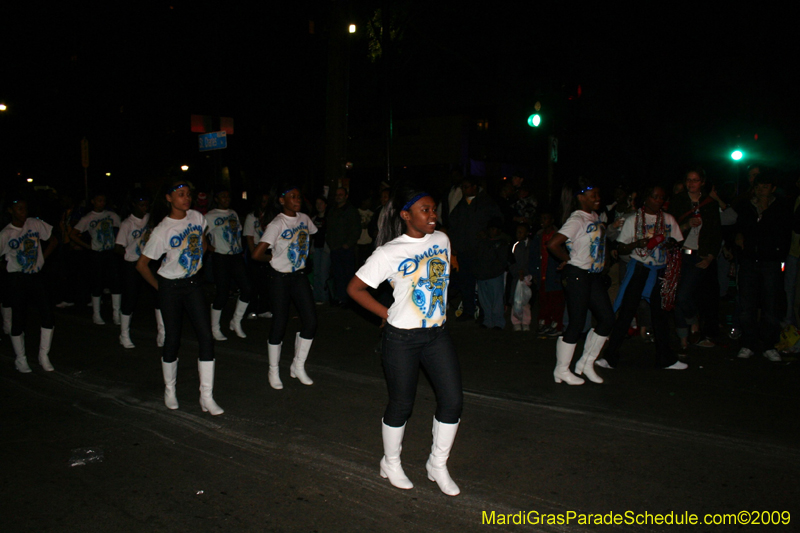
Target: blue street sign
x=216 y=140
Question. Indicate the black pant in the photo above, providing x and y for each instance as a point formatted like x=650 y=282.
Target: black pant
x=343 y=267
x=105 y=272
x=586 y=291
x=403 y=352
x=227 y=268
x=24 y=288
x=174 y=297
x=132 y=285
x=295 y=288
x=627 y=309
x=260 y=273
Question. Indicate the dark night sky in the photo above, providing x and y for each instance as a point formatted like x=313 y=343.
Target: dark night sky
x=660 y=88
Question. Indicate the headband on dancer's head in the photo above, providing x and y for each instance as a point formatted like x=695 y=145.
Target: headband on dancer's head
x=287 y=190
x=585 y=190
x=178 y=186
x=414 y=200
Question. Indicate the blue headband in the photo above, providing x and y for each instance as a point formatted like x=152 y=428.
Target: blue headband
x=287 y=190
x=585 y=189
x=178 y=186
x=414 y=200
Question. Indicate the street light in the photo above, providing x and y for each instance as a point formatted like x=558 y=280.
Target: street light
x=3 y=107
x=737 y=155
x=184 y=167
x=351 y=28
x=534 y=120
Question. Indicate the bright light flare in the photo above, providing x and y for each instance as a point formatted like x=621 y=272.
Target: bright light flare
x=351 y=28
x=184 y=167
x=3 y=107
x=30 y=180
x=737 y=155
x=534 y=120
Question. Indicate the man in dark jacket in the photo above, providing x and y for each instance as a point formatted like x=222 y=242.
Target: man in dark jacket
x=344 y=228
x=467 y=219
x=762 y=238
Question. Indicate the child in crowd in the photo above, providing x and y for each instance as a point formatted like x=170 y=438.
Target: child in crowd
x=545 y=271
x=519 y=272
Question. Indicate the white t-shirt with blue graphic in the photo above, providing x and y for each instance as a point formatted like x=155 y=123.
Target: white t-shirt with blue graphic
x=252 y=227
x=100 y=227
x=224 y=231
x=288 y=238
x=22 y=246
x=658 y=255
x=133 y=235
x=586 y=240
x=182 y=241
x=419 y=272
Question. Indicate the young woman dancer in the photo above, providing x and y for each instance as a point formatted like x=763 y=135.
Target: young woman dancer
x=415 y=259
x=131 y=239
x=254 y=225
x=178 y=233
x=580 y=245
x=20 y=242
x=225 y=236
x=100 y=224
x=286 y=238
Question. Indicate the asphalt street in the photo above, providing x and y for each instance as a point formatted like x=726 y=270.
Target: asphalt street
x=718 y=438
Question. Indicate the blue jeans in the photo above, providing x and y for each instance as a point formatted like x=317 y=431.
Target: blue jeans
x=686 y=296
x=291 y=288
x=490 y=294
x=176 y=296
x=403 y=352
x=759 y=286
x=322 y=271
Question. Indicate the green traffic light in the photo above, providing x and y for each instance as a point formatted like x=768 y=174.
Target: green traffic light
x=737 y=155
x=534 y=120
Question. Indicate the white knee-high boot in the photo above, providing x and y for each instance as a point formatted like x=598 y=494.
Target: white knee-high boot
x=297 y=370
x=21 y=362
x=591 y=349
x=116 y=304
x=45 y=340
x=160 y=336
x=215 y=329
x=564 y=354
x=207 y=403
x=443 y=437
x=170 y=371
x=238 y=315
x=125 y=331
x=274 y=353
x=6 y=313
x=96 y=318
x=391 y=468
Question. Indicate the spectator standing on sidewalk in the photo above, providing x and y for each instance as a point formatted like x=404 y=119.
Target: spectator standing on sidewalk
x=763 y=231
x=344 y=229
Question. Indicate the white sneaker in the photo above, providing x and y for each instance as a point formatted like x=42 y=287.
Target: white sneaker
x=745 y=353
x=526 y=327
x=773 y=356
x=677 y=365
x=517 y=327
x=602 y=363
x=265 y=315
